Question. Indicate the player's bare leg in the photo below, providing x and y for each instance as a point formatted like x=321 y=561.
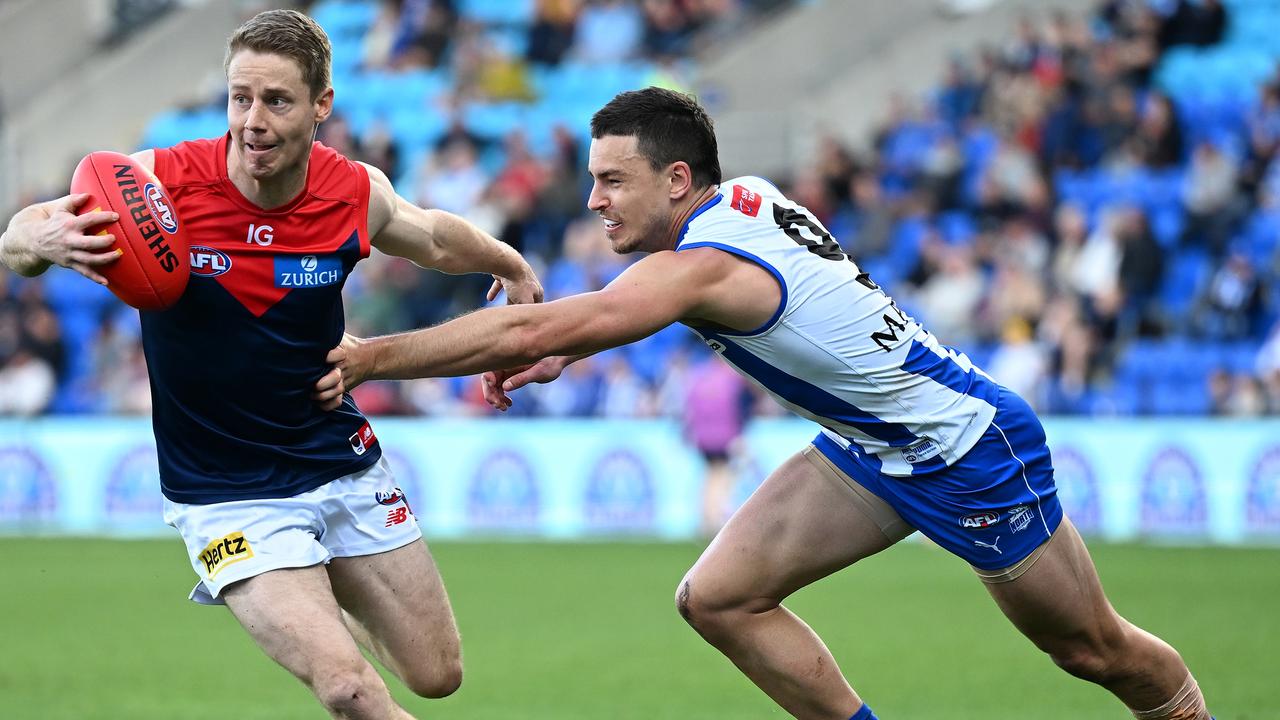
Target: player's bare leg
x=294 y=618
x=1059 y=604
x=802 y=524
x=402 y=614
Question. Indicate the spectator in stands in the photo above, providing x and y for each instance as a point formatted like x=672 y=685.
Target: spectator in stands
x=950 y=298
x=1194 y=23
x=1020 y=363
x=1070 y=233
x=873 y=218
x=1158 y=141
x=1213 y=206
x=667 y=28
x=551 y=34
x=1139 y=272
x=623 y=395
x=453 y=180
x=1263 y=127
x=608 y=31
x=1232 y=302
x=713 y=420
x=27 y=383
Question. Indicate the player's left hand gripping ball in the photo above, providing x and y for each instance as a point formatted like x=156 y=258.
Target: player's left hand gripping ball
x=153 y=270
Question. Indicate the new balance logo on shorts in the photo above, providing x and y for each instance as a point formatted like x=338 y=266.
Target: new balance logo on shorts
x=224 y=551
x=396 y=516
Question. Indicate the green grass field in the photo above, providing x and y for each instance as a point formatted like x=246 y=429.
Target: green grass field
x=102 y=629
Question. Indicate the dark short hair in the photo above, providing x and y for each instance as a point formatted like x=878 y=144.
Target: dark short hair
x=668 y=127
x=291 y=34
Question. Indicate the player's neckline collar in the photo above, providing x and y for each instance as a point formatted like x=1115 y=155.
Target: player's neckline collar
x=696 y=211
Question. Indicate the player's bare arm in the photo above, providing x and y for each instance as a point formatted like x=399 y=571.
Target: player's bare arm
x=702 y=286
x=51 y=233
x=443 y=241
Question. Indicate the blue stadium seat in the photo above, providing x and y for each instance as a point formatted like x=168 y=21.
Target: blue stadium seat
x=345 y=19
x=494 y=120
x=957 y=227
x=498 y=12
x=1184 y=276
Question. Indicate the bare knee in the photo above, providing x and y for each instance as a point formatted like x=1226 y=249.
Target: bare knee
x=707 y=611
x=441 y=678
x=1099 y=658
x=350 y=693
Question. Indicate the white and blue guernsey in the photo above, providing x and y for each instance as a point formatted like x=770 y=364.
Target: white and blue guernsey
x=838 y=351
x=959 y=457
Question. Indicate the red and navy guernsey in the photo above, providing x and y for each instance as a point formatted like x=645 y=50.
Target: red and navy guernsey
x=233 y=363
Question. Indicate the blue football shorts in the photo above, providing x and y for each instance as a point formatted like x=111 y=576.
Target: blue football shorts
x=993 y=507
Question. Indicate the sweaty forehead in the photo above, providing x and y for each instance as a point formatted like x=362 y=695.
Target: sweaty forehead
x=255 y=69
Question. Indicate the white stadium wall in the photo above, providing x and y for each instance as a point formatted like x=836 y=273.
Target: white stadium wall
x=1188 y=481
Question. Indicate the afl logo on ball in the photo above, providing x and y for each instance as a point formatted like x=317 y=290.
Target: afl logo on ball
x=161 y=210
x=207 y=262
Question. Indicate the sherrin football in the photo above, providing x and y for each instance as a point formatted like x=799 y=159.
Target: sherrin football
x=153 y=271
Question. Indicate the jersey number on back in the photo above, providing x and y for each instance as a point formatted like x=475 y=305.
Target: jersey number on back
x=791 y=220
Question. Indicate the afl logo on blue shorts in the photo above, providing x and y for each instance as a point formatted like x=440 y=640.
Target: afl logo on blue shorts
x=161 y=210
x=207 y=262
x=980 y=520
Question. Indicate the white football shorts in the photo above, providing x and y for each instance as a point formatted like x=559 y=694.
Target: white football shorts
x=361 y=514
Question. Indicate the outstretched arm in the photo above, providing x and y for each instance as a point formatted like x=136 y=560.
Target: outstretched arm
x=653 y=293
x=445 y=242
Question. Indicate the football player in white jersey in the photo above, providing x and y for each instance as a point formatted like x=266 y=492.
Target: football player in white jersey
x=914 y=437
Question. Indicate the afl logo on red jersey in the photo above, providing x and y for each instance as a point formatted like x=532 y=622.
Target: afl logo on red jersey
x=207 y=262
x=161 y=210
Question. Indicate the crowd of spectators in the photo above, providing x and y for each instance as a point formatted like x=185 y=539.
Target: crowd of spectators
x=968 y=209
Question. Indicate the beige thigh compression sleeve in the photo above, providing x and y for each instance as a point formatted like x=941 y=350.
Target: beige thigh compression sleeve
x=1013 y=572
x=885 y=517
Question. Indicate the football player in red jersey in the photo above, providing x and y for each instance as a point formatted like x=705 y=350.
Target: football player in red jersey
x=290 y=515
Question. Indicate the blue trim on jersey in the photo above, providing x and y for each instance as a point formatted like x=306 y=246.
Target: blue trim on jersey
x=811 y=397
x=701 y=209
x=782 y=304
x=944 y=370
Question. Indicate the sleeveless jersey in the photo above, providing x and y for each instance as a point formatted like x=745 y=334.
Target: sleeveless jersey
x=838 y=351
x=233 y=363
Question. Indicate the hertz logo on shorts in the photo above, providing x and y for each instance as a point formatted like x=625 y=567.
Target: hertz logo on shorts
x=225 y=550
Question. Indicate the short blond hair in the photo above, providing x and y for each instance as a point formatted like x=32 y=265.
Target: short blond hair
x=291 y=34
